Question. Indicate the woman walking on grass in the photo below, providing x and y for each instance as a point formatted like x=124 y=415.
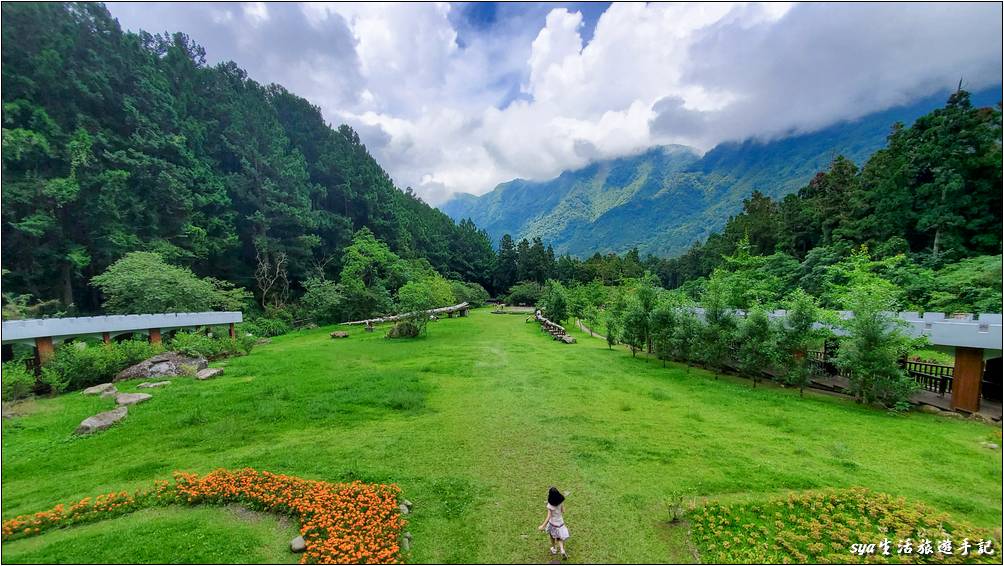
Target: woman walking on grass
x=554 y=524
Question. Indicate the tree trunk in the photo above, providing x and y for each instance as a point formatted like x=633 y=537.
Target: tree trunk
x=67 y=285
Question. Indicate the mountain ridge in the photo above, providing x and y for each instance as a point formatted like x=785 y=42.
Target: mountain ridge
x=667 y=197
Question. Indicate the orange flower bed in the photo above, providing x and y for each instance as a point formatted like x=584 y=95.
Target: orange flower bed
x=340 y=523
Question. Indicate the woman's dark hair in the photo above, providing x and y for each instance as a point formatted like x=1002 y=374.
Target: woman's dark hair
x=554 y=496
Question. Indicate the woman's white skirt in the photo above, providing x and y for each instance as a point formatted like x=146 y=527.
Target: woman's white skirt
x=560 y=533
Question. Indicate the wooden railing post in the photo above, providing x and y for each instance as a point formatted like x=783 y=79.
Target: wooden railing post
x=233 y=330
x=44 y=350
x=154 y=335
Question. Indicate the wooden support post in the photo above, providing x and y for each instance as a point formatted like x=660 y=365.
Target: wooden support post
x=154 y=335
x=106 y=337
x=43 y=350
x=967 y=379
x=233 y=330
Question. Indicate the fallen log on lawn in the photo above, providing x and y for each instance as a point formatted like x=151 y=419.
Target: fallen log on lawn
x=460 y=309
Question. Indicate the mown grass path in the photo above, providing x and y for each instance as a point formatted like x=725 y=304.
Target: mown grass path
x=477 y=419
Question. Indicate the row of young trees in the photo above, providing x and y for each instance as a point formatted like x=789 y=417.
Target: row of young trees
x=736 y=330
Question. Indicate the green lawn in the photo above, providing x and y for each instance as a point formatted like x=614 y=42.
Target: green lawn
x=474 y=422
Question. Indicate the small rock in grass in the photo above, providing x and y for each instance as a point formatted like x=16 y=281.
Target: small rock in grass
x=263 y=341
x=101 y=421
x=407 y=504
x=930 y=409
x=152 y=384
x=298 y=544
x=405 y=545
x=208 y=373
x=339 y=334
x=404 y=509
x=568 y=339
x=990 y=445
x=407 y=535
x=132 y=398
x=100 y=389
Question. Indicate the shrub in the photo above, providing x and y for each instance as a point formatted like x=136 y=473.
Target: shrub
x=525 y=293
x=77 y=365
x=409 y=328
x=323 y=301
x=18 y=381
x=265 y=327
x=211 y=347
x=470 y=293
x=758 y=343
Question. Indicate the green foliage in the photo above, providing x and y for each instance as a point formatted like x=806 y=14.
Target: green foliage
x=142 y=282
x=926 y=203
x=719 y=325
x=116 y=142
x=263 y=327
x=525 y=293
x=798 y=336
x=871 y=353
x=211 y=347
x=634 y=326
x=471 y=293
x=662 y=324
x=77 y=365
x=554 y=301
x=758 y=343
x=417 y=297
x=18 y=381
x=322 y=301
x=370 y=276
x=684 y=339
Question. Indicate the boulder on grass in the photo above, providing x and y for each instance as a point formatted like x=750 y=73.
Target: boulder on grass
x=132 y=398
x=100 y=389
x=339 y=334
x=101 y=421
x=298 y=544
x=152 y=384
x=168 y=364
x=568 y=339
x=208 y=373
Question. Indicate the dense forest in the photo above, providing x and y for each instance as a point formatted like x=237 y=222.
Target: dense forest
x=926 y=208
x=116 y=142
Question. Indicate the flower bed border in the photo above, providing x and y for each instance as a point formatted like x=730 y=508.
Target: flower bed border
x=340 y=522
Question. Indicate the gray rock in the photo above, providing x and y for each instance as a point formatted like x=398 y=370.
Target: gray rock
x=101 y=421
x=404 y=509
x=298 y=544
x=152 y=384
x=208 y=373
x=339 y=334
x=568 y=339
x=405 y=545
x=263 y=341
x=407 y=535
x=407 y=504
x=930 y=409
x=100 y=389
x=168 y=364
x=132 y=398
x=990 y=445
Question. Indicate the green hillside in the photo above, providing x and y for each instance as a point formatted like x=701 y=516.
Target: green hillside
x=663 y=200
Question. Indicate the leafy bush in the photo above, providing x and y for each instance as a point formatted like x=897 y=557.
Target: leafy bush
x=142 y=282
x=77 y=365
x=406 y=329
x=323 y=301
x=525 y=293
x=211 y=347
x=265 y=327
x=471 y=293
x=18 y=381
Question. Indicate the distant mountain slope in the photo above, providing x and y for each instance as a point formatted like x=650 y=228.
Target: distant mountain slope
x=666 y=198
